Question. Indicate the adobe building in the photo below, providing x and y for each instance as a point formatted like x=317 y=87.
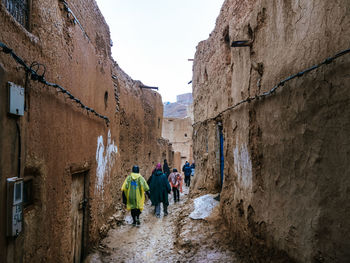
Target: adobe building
x=177 y=128
x=179 y=133
x=72 y=124
x=277 y=148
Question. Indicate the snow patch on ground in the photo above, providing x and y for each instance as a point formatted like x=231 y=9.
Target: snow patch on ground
x=203 y=206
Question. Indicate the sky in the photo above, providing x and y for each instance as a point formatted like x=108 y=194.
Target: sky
x=153 y=39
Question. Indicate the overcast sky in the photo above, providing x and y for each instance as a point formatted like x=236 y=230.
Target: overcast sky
x=153 y=39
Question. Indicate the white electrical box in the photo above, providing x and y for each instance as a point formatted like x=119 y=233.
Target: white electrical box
x=16 y=99
x=14 y=206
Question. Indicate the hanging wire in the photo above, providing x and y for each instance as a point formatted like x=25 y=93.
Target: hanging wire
x=75 y=19
x=33 y=70
x=280 y=84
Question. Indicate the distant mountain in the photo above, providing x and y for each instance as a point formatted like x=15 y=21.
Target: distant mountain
x=178 y=109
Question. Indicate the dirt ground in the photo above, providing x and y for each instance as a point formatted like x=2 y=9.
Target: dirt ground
x=172 y=238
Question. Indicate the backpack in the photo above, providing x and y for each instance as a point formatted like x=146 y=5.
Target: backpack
x=178 y=179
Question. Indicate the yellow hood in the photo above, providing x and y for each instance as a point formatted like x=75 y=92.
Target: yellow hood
x=138 y=194
x=135 y=176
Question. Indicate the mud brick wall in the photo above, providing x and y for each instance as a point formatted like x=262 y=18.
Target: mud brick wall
x=60 y=141
x=286 y=157
x=141 y=118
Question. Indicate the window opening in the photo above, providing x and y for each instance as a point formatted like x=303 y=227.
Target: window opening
x=19 y=9
x=106 y=99
x=226 y=35
x=28 y=192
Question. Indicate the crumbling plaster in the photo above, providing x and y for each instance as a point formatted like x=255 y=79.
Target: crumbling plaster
x=294 y=143
x=59 y=138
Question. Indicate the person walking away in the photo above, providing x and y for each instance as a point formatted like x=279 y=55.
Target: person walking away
x=193 y=167
x=166 y=169
x=160 y=188
x=158 y=166
x=175 y=181
x=187 y=171
x=133 y=189
x=183 y=170
x=183 y=167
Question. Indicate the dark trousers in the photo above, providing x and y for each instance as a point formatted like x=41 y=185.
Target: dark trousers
x=157 y=209
x=135 y=214
x=176 y=194
x=188 y=180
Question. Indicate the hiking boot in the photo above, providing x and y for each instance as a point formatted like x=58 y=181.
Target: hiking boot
x=138 y=222
x=158 y=216
x=165 y=213
x=133 y=220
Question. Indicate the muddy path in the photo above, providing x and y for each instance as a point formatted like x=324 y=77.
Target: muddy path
x=172 y=238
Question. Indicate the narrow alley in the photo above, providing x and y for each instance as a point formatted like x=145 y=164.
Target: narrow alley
x=106 y=102
x=172 y=238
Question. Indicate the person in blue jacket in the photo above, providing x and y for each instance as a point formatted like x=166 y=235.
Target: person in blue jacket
x=187 y=171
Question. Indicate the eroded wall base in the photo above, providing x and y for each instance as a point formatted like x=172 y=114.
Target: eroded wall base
x=285 y=187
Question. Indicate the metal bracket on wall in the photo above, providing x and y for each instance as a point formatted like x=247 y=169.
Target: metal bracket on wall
x=242 y=43
x=148 y=87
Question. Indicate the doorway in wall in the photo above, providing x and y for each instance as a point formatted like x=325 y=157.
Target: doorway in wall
x=79 y=203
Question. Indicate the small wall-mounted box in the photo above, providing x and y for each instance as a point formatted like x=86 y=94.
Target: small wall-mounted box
x=16 y=99
x=14 y=206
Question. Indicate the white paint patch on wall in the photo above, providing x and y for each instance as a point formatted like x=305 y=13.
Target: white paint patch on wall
x=243 y=167
x=105 y=158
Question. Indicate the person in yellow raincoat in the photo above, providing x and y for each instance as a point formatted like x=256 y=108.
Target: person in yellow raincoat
x=134 y=188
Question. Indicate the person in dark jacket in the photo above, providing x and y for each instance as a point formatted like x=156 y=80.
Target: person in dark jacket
x=160 y=188
x=166 y=169
x=187 y=171
x=158 y=167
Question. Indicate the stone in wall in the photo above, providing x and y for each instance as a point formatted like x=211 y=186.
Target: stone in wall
x=284 y=189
